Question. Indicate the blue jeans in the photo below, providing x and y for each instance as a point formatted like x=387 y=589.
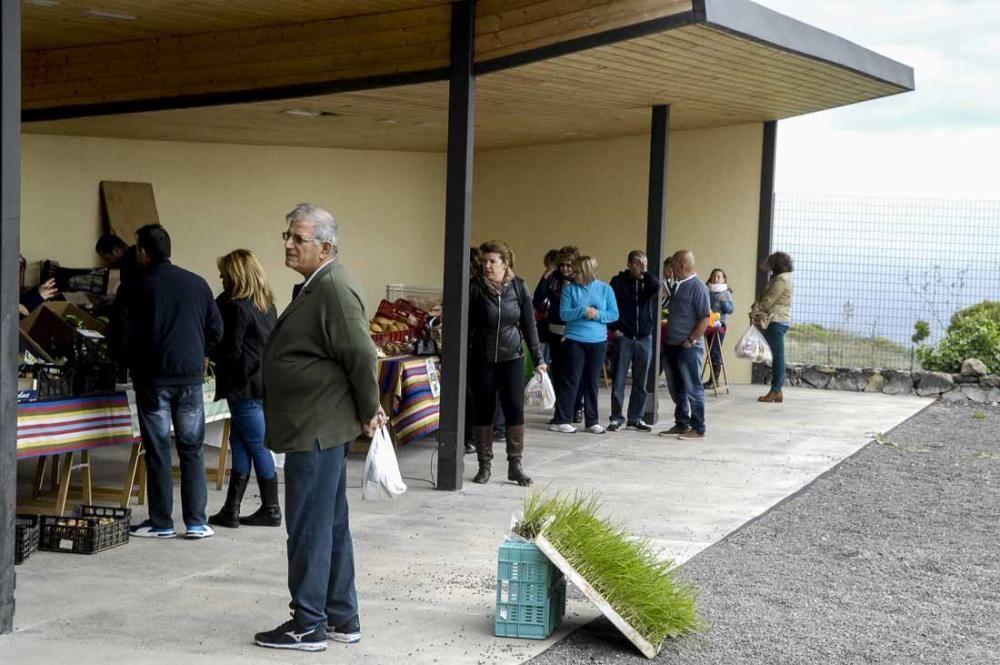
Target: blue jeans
x=686 y=389
x=580 y=372
x=184 y=407
x=246 y=438
x=637 y=353
x=775 y=336
x=320 y=548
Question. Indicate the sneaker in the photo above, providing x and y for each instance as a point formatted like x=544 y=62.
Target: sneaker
x=708 y=385
x=147 y=530
x=691 y=435
x=597 y=429
x=199 y=531
x=563 y=429
x=349 y=633
x=614 y=425
x=578 y=417
x=470 y=448
x=676 y=429
x=289 y=636
x=640 y=426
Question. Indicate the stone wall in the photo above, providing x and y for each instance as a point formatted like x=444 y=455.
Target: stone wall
x=972 y=385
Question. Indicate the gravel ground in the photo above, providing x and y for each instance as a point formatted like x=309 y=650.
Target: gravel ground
x=892 y=557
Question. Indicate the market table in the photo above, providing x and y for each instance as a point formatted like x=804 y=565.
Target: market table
x=61 y=428
x=411 y=396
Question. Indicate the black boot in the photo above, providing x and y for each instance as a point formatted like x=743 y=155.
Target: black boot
x=229 y=515
x=269 y=513
x=484 y=453
x=515 y=449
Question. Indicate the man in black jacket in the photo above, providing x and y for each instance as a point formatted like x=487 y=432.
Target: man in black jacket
x=169 y=323
x=636 y=290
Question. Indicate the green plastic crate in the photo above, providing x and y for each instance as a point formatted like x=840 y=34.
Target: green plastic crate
x=531 y=593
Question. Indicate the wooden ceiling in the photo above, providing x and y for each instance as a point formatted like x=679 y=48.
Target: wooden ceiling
x=743 y=66
x=58 y=24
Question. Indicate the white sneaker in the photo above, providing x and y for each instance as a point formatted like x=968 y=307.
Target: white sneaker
x=597 y=429
x=199 y=531
x=563 y=429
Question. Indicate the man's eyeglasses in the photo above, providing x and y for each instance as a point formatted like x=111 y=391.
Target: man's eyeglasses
x=295 y=238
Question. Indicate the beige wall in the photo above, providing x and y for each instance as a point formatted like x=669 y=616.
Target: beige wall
x=593 y=194
x=214 y=198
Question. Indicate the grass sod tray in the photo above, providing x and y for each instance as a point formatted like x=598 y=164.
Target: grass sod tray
x=624 y=577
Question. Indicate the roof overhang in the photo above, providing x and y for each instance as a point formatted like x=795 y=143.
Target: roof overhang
x=546 y=72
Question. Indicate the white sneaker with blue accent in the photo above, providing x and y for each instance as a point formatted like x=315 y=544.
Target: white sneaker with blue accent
x=199 y=531
x=148 y=530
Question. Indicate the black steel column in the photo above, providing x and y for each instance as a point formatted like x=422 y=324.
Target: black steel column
x=10 y=223
x=457 y=236
x=656 y=225
x=765 y=219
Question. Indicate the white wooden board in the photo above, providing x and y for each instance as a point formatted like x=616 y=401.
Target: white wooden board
x=647 y=649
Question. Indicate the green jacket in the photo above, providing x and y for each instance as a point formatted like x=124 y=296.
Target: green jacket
x=319 y=366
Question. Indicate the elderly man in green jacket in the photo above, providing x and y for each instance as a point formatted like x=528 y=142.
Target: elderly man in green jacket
x=321 y=391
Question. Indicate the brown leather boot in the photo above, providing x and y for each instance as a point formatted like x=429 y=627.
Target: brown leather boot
x=776 y=398
x=484 y=453
x=515 y=449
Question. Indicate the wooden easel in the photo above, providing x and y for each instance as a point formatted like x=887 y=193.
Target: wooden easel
x=714 y=341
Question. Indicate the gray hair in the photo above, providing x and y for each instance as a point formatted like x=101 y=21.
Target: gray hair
x=324 y=225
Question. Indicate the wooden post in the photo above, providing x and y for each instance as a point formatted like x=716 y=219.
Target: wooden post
x=10 y=223
x=656 y=225
x=457 y=236
x=765 y=219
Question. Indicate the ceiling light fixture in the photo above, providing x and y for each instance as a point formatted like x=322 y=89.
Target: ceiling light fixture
x=43 y=3
x=116 y=16
x=308 y=113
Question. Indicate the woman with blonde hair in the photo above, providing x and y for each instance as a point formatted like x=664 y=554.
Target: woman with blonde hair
x=587 y=306
x=248 y=316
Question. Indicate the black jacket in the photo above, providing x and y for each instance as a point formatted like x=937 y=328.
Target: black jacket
x=165 y=324
x=637 y=318
x=238 y=356
x=497 y=324
x=548 y=297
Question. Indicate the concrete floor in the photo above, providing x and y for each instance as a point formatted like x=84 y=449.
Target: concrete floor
x=426 y=564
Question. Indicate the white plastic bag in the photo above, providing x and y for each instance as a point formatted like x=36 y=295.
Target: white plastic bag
x=381 y=478
x=754 y=347
x=539 y=393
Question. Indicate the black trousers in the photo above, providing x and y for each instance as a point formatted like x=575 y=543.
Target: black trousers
x=506 y=380
x=584 y=363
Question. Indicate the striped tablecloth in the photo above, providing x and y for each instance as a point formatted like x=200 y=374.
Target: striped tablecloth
x=406 y=383
x=62 y=426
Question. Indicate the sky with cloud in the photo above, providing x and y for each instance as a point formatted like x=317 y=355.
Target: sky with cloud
x=941 y=141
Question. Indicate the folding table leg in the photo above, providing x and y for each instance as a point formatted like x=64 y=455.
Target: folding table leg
x=220 y=475
x=88 y=487
x=40 y=466
x=128 y=487
x=65 y=471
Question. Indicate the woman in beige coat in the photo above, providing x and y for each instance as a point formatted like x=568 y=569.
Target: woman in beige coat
x=772 y=314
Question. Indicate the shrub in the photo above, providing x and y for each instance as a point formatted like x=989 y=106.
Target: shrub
x=987 y=308
x=974 y=333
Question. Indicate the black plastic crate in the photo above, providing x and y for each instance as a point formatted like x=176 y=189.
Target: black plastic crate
x=25 y=537
x=96 y=378
x=93 y=529
x=54 y=381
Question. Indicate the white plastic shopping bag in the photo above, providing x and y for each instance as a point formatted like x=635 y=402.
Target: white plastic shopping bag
x=753 y=346
x=539 y=393
x=381 y=478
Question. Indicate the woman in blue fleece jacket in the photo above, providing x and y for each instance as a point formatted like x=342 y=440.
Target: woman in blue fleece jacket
x=587 y=307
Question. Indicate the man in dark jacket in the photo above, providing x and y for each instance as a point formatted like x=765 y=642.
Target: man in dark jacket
x=637 y=292
x=170 y=321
